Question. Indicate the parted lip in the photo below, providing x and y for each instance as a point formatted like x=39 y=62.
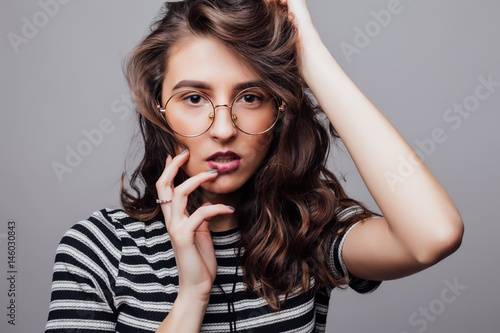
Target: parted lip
x=223 y=153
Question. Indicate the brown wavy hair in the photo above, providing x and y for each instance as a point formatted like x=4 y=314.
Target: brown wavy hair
x=287 y=218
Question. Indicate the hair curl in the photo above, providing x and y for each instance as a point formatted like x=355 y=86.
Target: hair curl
x=288 y=217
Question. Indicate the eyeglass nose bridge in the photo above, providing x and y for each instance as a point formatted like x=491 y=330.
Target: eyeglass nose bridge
x=233 y=116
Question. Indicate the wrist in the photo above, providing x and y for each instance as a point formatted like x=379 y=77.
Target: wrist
x=197 y=300
x=186 y=315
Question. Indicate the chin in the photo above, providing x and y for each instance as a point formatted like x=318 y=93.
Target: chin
x=216 y=187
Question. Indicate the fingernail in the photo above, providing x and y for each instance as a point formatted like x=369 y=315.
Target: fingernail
x=184 y=151
x=231 y=207
x=213 y=171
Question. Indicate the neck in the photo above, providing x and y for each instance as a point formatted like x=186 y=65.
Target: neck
x=222 y=222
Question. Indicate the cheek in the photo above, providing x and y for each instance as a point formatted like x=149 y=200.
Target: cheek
x=259 y=148
x=196 y=162
x=181 y=145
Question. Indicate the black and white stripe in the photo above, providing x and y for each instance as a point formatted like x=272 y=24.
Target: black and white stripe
x=114 y=273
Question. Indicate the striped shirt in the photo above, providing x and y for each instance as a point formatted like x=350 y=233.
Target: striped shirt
x=113 y=273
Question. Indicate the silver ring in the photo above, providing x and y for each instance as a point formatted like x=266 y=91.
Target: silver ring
x=158 y=201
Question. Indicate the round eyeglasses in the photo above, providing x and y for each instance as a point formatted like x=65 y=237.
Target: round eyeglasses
x=191 y=113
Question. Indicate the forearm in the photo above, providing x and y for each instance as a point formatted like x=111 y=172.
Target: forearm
x=186 y=315
x=417 y=208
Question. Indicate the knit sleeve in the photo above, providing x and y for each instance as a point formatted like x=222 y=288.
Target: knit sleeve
x=85 y=268
x=336 y=262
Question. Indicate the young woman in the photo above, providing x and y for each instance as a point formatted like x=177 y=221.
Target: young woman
x=234 y=223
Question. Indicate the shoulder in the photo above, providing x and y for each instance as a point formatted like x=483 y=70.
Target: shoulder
x=343 y=213
x=111 y=225
x=107 y=232
x=96 y=239
x=102 y=225
x=99 y=241
x=101 y=235
x=336 y=259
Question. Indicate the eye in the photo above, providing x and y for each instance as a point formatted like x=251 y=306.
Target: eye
x=250 y=98
x=194 y=99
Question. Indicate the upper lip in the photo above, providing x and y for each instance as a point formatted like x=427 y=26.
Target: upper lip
x=223 y=153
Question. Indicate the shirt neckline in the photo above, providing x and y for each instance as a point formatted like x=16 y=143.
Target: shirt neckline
x=224 y=233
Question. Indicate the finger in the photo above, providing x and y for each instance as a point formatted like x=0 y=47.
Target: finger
x=182 y=191
x=188 y=228
x=205 y=213
x=172 y=166
x=186 y=232
x=163 y=193
x=205 y=204
x=164 y=184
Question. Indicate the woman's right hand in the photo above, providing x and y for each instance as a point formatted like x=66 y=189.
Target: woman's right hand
x=190 y=234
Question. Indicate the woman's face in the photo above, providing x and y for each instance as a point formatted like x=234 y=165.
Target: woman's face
x=206 y=65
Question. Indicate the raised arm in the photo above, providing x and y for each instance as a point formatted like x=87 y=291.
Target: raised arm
x=421 y=224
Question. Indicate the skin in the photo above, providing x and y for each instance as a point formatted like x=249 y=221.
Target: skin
x=420 y=226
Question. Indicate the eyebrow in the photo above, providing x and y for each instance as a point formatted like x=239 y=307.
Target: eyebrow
x=207 y=86
x=244 y=85
x=192 y=84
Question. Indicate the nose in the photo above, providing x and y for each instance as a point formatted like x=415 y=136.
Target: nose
x=223 y=128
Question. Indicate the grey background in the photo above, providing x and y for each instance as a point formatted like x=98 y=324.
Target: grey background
x=67 y=78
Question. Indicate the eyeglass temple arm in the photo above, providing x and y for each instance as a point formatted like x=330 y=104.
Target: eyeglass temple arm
x=159 y=107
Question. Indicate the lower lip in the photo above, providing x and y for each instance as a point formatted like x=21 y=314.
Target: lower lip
x=224 y=167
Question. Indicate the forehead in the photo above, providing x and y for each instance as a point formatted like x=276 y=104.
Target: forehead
x=206 y=60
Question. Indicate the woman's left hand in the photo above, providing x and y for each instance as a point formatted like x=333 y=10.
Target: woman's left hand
x=299 y=13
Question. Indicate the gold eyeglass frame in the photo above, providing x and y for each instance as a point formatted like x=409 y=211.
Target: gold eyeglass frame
x=281 y=109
